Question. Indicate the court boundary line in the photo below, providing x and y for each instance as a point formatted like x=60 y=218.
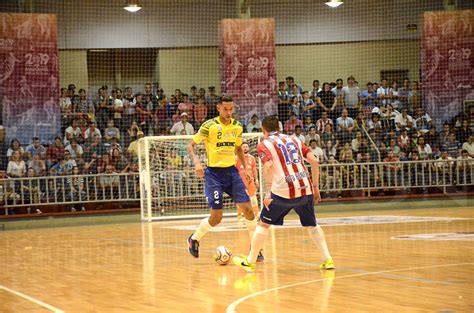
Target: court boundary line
x=231 y=307
x=31 y=299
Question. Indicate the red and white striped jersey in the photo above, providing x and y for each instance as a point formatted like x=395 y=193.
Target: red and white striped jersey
x=291 y=179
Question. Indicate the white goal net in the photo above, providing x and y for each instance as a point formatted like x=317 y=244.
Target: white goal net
x=169 y=186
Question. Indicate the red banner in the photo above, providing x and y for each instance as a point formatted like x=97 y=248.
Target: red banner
x=447 y=62
x=248 y=65
x=29 y=76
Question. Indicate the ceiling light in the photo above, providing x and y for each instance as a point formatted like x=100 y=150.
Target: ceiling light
x=334 y=3
x=132 y=7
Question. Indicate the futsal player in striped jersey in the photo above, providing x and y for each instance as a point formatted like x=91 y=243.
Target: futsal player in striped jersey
x=288 y=185
x=222 y=137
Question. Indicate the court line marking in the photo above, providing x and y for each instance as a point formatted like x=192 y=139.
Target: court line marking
x=231 y=307
x=31 y=299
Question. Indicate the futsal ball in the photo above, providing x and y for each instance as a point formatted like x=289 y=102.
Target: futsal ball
x=222 y=255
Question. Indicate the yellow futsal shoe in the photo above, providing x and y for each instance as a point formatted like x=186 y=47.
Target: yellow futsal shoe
x=241 y=261
x=327 y=265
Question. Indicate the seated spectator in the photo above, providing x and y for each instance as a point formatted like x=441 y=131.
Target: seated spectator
x=323 y=122
x=452 y=146
x=72 y=132
x=317 y=151
x=392 y=170
x=119 y=161
x=328 y=135
x=15 y=145
x=388 y=116
x=95 y=147
x=182 y=125
x=102 y=162
x=403 y=140
x=54 y=152
x=432 y=137
x=345 y=125
x=291 y=123
x=16 y=167
x=111 y=132
x=445 y=162
x=356 y=142
x=37 y=165
x=69 y=162
x=132 y=133
x=383 y=93
x=92 y=131
x=464 y=165
x=360 y=122
x=31 y=189
x=464 y=132
x=254 y=123
x=312 y=135
x=76 y=187
x=36 y=149
x=308 y=123
x=75 y=149
x=423 y=149
x=393 y=147
x=299 y=133
x=200 y=112
x=401 y=121
x=329 y=149
x=374 y=121
x=345 y=155
x=444 y=134
x=469 y=146
x=422 y=121
x=109 y=182
x=60 y=167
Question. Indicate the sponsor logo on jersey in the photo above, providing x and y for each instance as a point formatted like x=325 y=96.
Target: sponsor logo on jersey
x=225 y=144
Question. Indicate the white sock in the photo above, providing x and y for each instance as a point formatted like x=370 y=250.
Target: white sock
x=317 y=234
x=202 y=230
x=251 y=225
x=258 y=241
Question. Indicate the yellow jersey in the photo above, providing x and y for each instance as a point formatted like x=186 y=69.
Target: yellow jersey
x=220 y=141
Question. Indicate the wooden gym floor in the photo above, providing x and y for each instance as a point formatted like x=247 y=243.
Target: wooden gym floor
x=146 y=267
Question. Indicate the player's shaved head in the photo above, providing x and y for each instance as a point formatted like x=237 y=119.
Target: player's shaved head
x=270 y=123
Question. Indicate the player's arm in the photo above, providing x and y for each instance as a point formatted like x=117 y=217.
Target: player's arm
x=240 y=155
x=192 y=155
x=255 y=172
x=313 y=161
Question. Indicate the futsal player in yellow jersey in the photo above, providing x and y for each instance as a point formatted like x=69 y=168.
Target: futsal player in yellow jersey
x=222 y=137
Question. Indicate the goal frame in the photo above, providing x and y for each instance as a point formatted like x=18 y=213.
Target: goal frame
x=146 y=197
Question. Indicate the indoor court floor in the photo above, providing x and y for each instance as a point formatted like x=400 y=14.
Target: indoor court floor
x=419 y=260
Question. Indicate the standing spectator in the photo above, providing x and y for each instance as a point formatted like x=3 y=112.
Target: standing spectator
x=308 y=107
x=255 y=123
x=351 y=96
x=345 y=125
x=104 y=107
x=403 y=94
x=383 y=93
x=72 y=132
x=118 y=109
x=295 y=107
x=65 y=105
x=145 y=112
x=3 y=150
x=368 y=98
x=283 y=101
x=172 y=109
x=16 y=167
x=464 y=132
x=182 y=125
x=212 y=100
x=84 y=105
x=187 y=107
x=469 y=146
x=316 y=90
x=36 y=148
x=111 y=132
x=76 y=187
x=193 y=95
x=291 y=123
x=394 y=96
x=326 y=100
x=414 y=97
x=129 y=107
x=200 y=112
x=444 y=134
x=337 y=91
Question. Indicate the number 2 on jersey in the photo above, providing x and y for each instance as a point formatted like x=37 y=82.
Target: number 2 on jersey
x=290 y=152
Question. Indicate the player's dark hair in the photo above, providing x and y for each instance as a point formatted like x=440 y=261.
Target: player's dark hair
x=225 y=98
x=270 y=123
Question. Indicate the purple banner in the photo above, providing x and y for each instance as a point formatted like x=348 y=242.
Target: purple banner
x=29 y=76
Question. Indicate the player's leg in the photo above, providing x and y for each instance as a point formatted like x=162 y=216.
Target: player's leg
x=308 y=220
x=214 y=195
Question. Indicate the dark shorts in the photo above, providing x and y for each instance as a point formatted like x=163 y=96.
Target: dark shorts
x=224 y=179
x=280 y=207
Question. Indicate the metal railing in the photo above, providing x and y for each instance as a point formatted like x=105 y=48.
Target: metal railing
x=65 y=190
x=182 y=184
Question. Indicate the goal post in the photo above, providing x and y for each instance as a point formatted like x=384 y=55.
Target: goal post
x=169 y=187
